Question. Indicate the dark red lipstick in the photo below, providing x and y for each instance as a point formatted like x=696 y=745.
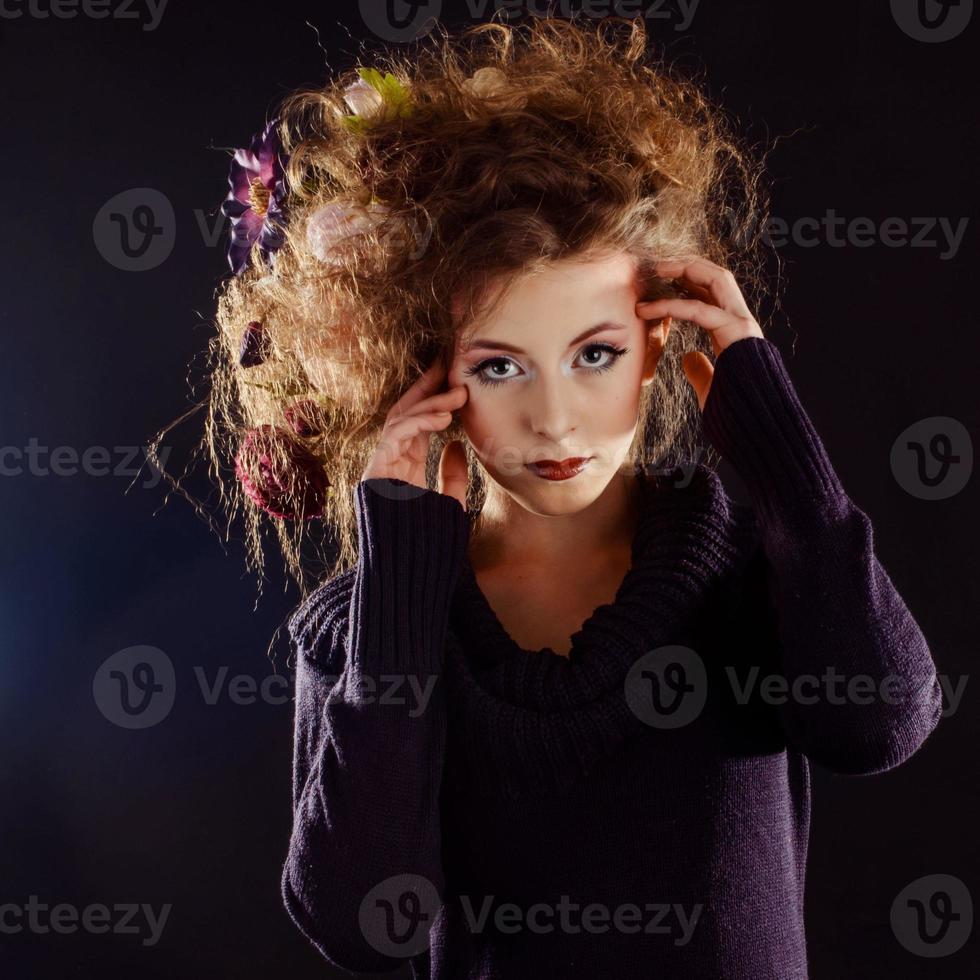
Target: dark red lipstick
x=559 y=469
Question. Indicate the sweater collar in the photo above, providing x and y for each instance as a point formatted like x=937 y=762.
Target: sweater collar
x=536 y=718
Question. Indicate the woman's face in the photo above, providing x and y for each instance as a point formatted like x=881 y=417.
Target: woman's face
x=556 y=372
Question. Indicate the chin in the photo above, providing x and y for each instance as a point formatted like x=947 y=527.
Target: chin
x=554 y=499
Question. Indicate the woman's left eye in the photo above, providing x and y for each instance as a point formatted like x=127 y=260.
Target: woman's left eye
x=615 y=353
x=612 y=353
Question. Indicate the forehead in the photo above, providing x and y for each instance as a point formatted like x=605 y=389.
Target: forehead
x=565 y=296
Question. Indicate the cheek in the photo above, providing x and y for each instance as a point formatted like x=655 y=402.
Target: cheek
x=470 y=411
x=478 y=416
x=621 y=403
x=484 y=418
x=480 y=400
x=456 y=377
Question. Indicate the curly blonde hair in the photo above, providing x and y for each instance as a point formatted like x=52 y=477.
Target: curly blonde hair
x=524 y=144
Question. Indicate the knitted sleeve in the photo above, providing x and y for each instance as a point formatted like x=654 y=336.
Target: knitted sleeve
x=860 y=692
x=370 y=729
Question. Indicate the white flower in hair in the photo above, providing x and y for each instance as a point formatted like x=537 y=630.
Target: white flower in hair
x=375 y=97
x=336 y=222
x=362 y=98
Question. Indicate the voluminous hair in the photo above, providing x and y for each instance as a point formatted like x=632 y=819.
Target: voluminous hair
x=583 y=143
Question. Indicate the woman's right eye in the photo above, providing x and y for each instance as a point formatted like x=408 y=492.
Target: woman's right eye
x=479 y=370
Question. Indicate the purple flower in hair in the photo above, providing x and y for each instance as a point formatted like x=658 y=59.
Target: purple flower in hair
x=256 y=198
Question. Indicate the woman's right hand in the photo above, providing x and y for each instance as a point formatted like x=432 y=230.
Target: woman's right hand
x=404 y=444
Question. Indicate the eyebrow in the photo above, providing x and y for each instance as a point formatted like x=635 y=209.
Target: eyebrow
x=484 y=344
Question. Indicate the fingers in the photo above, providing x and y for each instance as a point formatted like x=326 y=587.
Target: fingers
x=398 y=434
x=704 y=314
x=443 y=401
x=407 y=427
x=707 y=278
x=699 y=372
x=454 y=472
x=724 y=327
x=428 y=383
x=403 y=446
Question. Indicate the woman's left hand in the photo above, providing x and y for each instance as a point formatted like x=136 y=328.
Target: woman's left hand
x=718 y=307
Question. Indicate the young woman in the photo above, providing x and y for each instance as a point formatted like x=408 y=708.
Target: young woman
x=558 y=696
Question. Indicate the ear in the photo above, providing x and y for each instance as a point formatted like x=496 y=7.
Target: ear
x=656 y=340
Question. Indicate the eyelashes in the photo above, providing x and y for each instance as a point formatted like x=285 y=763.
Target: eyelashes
x=479 y=370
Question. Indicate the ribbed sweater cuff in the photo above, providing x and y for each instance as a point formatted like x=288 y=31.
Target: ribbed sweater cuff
x=412 y=544
x=754 y=418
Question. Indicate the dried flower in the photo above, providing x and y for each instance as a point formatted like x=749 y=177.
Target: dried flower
x=281 y=476
x=255 y=345
x=492 y=84
x=305 y=418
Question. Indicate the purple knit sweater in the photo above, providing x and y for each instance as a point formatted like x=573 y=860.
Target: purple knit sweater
x=640 y=808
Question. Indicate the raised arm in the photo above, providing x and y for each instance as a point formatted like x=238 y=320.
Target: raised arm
x=874 y=697
x=369 y=747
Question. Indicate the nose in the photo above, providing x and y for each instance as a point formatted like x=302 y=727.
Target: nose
x=551 y=410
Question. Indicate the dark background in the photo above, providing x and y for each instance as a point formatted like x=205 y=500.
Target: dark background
x=195 y=811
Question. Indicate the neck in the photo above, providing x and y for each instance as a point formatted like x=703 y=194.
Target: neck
x=506 y=533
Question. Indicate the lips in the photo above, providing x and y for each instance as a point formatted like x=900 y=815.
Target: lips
x=550 y=463
x=564 y=469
